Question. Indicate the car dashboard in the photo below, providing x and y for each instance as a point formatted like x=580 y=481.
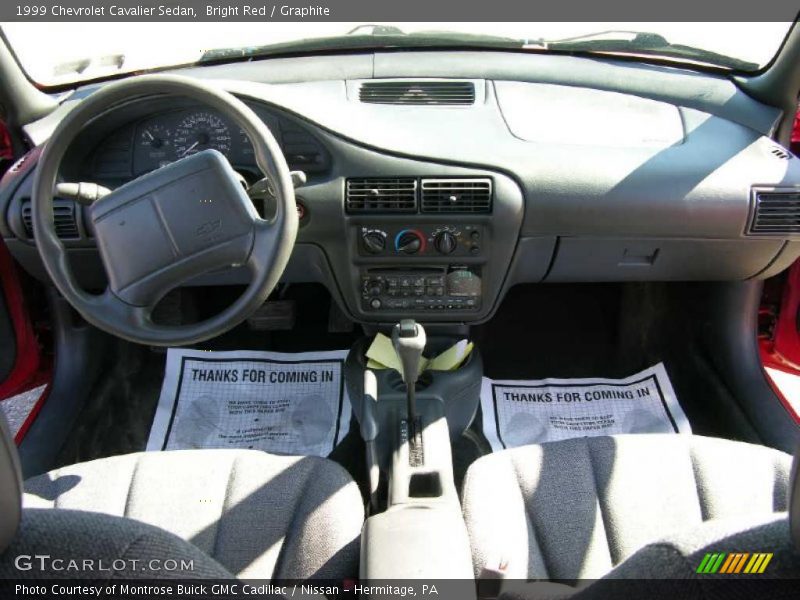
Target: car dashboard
x=429 y=194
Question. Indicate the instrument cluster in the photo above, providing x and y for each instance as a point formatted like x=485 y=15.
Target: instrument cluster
x=167 y=138
x=160 y=139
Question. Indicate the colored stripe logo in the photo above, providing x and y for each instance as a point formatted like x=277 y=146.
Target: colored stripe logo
x=734 y=563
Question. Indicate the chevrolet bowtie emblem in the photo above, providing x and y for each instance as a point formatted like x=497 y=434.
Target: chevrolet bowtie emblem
x=209 y=227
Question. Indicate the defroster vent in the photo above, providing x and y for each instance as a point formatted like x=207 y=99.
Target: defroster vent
x=425 y=93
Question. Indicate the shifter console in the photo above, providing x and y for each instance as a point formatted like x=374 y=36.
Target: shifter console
x=408 y=339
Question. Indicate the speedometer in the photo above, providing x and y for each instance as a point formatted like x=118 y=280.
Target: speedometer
x=200 y=131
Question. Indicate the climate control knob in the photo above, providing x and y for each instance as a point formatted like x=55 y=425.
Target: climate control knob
x=374 y=242
x=445 y=242
x=409 y=242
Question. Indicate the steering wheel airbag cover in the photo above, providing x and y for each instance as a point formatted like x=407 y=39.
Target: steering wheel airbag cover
x=173 y=224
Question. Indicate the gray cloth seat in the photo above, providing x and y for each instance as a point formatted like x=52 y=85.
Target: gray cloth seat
x=673 y=562
x=114 y=547
x=258 y=515
x=588 y=508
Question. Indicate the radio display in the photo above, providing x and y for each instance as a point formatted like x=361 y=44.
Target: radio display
x=463 y=282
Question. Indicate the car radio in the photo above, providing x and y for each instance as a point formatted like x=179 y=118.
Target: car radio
x=450 y=288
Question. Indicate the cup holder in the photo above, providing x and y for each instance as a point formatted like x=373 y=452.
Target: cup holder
x=425 y=485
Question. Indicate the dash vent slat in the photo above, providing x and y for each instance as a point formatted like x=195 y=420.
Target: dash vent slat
x=418 y=93
x=776 y=212
x=381 y=195
x=64 y=217
x=456 y=195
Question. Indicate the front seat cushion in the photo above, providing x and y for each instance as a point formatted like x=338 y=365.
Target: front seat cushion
x=259 y=515
x=575 y=509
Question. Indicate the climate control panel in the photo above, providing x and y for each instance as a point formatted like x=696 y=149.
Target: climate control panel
x=422 y=240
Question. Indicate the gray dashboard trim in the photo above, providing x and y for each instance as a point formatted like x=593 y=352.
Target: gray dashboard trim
x=711 y=93
x=697 y=189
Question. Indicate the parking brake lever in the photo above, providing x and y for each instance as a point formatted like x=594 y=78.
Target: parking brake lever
x=408 y=339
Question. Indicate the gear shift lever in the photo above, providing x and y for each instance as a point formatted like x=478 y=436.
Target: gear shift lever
x=408 y=339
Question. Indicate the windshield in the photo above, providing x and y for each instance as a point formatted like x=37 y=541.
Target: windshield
x=94 y=50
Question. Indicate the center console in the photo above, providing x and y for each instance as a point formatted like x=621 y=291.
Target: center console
x=428 y=248
x=415 y=528
x=421 y=534
x=447 y=286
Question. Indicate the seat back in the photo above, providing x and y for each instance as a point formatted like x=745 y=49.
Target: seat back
x=10 y=486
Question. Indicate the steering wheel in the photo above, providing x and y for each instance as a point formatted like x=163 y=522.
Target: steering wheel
x=175 y=223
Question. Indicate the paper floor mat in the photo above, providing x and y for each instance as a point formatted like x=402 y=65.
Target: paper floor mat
x=516 y=413
x=21 y=410
x=276 y=402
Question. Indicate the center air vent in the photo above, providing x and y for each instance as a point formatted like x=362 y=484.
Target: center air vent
x=64 y=215
x=424 y=93
x=381 y=195
x=776 y=212
x=456 y=195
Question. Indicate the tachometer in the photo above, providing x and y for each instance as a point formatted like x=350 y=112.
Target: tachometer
x=201 y=131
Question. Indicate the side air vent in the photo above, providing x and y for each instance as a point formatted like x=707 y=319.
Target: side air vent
x=456 y=195
x=776 y=212
x=382 y=195
x=64 y=215
x=424 y=93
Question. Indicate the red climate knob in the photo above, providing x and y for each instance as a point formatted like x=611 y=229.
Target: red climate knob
x=409 y=241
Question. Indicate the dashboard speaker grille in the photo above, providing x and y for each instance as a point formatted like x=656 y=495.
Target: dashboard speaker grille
x=381 y=195
x=64 y=216
x=425 y=93
x=776 y=212
x=457 y=195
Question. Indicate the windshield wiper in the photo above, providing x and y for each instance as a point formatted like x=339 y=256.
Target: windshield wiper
x=652 y=44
